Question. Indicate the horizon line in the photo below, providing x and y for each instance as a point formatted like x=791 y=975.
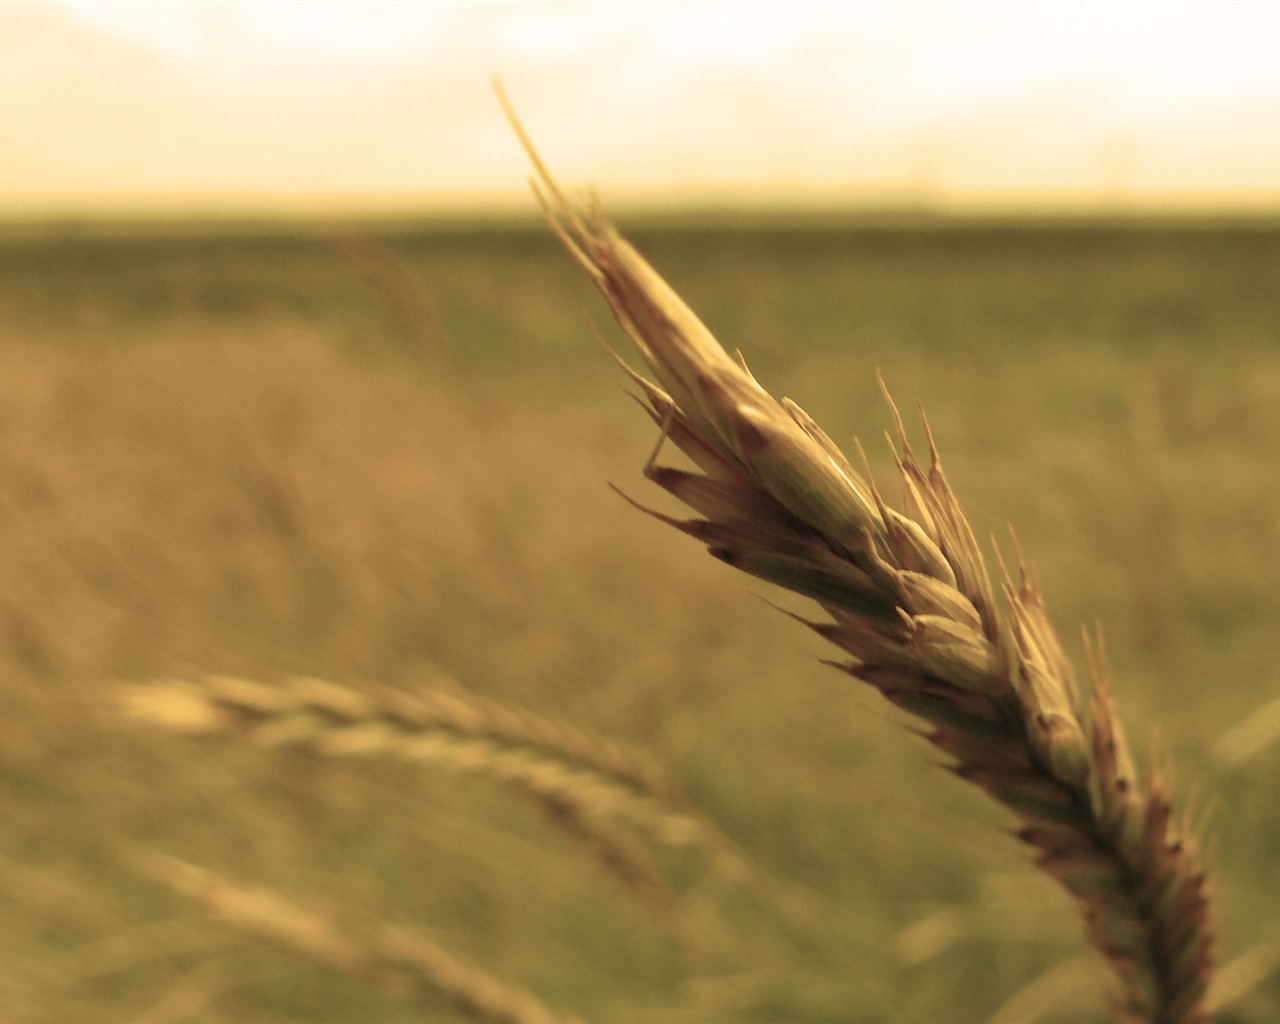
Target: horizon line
x=697 y=201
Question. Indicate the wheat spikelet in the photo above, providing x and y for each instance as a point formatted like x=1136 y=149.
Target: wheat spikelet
x=372 y=951
x=908 y=598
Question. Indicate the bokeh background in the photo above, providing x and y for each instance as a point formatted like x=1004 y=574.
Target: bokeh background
x=293 y=380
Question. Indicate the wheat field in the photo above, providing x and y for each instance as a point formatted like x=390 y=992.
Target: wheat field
x=378 y=457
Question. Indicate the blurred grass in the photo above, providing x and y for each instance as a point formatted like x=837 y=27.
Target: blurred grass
x=380 y=457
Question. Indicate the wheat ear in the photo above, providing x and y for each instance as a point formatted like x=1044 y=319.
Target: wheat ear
x=581 y=781
x=371 y=951
x=908 y=598
x=587 y=785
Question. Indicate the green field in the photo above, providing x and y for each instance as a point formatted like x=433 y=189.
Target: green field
x=382 y=455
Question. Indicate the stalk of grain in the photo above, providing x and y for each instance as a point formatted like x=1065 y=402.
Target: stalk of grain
x=580 y=781
x=595 y=791
x=371 y=951
x=908 y=598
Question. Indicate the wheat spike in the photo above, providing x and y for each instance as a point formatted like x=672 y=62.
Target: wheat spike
x=372 y=951
x=581 y=781
x=908 y=598
x=585 y=784
x=593 y=790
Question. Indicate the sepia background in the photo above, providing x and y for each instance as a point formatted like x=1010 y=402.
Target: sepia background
x=295 y=381
x=339 y=106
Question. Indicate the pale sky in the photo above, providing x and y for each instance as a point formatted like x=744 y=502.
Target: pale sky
x=364 y=106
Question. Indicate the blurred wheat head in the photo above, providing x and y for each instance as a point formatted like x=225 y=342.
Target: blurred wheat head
x=907 y=597
x=615 y=806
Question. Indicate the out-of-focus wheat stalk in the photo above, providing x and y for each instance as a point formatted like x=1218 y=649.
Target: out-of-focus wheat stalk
x=372 y=951
x=387 y=275
x=908 y=598
x=583 y=782
x=595 y=791
x=602 y=795
x=442 y=725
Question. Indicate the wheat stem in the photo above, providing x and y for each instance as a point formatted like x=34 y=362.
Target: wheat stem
x=908 y=598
